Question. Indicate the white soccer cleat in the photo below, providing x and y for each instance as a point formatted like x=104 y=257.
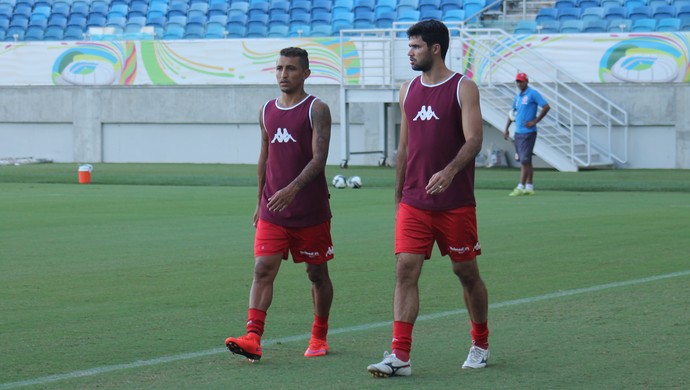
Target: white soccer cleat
x=477 y=358
x=390 y=366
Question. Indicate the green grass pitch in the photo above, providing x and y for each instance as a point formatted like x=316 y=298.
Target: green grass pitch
x=135 y=281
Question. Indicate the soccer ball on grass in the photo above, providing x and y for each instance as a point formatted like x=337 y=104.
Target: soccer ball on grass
x=354 y=182
x=339 y=181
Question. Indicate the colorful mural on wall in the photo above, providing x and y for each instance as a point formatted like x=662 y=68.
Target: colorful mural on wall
x=609 y=58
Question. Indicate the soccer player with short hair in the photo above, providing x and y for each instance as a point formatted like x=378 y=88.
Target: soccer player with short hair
x=440 y=135
x=293 y=213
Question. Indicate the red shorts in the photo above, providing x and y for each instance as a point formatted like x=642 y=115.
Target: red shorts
x=312 y=245
x=455 y=232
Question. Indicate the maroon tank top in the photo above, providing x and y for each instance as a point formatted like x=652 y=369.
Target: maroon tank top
x=289 y=132
x=435 y=136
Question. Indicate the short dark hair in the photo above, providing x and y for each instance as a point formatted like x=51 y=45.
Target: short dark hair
x=432 y=32
x=297 y=52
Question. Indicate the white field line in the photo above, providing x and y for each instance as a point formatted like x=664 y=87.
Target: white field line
x=373 y=325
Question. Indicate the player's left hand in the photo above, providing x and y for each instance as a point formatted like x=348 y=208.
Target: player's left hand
x=281 y=199
x=438 y=183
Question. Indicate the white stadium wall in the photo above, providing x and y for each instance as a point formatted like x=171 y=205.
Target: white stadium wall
x=198 y=101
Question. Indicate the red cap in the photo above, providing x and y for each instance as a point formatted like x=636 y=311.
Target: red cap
x=521 y=77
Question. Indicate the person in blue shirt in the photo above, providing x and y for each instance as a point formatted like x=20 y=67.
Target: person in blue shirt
x=525 y=106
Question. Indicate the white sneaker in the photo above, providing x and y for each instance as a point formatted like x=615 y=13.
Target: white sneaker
x=390 y=366
x=477 y=358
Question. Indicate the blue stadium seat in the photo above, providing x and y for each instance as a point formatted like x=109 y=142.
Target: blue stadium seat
x=239 y=7
x=156 y=21
x=53 y=33
x=173 y=31
x=42 y=23
x=157 y=9
x=642 y=12
x=548 y=27
x=344 y=16
x=431 y=14
x=259 y=7
x=139 y=21
x=525 y=27
x=683 y=11
x=6 y=10
x=656 y=3
x=546 y=14
x=194 y=31
x=364 y=20
x=560 y=4
x=99 y=7
x=117 y=23
x=384 y=6
x=36 y=33
x=448 y=5
x=341 y=25
x=668 y=25
x=408 y=16
x=455 y=15
x=138 y=8
x=321 y=6
x=568 y=14
x=364 y=5
x=385 y=19
x=118 y=10
x=202 y=9
x=585 y=4
x=176 y=8
x=257 y=31
x=95 y=20
x=199 y=20
x=278 y=31
x=14 y=30
x=260 y=20
x=429 y=5
x=177 y=20
x=61 y=9
x=279 y=7
x=663 y=12
x=214 y=31
x=472 y=7
x=4 y=24
x=319 y=18
x=222 y=9
x=321 y=31
x=406 y=5
x=571 y=26
x=619 y=25
x=611 y=3
x=685 y=23
x=630 y=4
x=57 y=21
x=300 y=6
x=618 y=12
x=42 y=10
x=237 y=20
x=643 y=25
x=73 y=33
x=23 y=10
x=78 y=20
x=235 y=31
x=595 y=26
x=342 y=6
x=594 y=13
x=219 y=19
x=279 y=20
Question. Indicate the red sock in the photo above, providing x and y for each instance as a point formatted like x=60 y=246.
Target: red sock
x=255 y=321
x=480 y=335
x=402 y=340
x=320 y=328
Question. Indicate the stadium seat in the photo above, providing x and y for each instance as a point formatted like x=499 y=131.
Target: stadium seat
x=321 y=6
x=203 y=9
x=138 y=8
x=240 y=7
x=385 y=19
x=73 y=33
x=279 y=7
x=278 y=31
x=571 y=26
x=339 y=25
x=236 y=31
x=95 y=20
x=300 y=6
x=364 y=20
x=594 y=26
x=36 y=33
x=23 y=10
x=429 y=5
x=342 y=5
x=177 y=20
x=319 y=18
x=76 y=20
x=120 y=10
x=215 y=31
x=642 y=12
x=261 y=20
x=568 y=14
x=408 y=16
x=42 y=23
x=431 y=14
x=42 y=10
x=218 y=19
x=685 y=23
x=279 y=19
x=406 y=5
x=548 y=27
x=194 y=31
x=663 y=12
x=259 y=7
x=560 y=4
x=448 y=5
x=321 y=31
x=15 y=33
x=157 y=9
x=344 y=16
x=299 y=30
x=177 y=8
x=643 y=25
x=585 y=4
x=199 y=20
x=456 y=15
x=618 y=12
x=257 y=31
x=594 y=13
x=384 y=6
x=611 y=3
x=472 y=8
x=683 y=11
x=99 y=7
x=53 y=33
x=157 y=21
x=173 y=31
x=619 y=25
x=57 y=21
x=546 y=14
x=364 y=5
x=666 y=25
x=630 y=4
x=525 y=27
x=656 y=3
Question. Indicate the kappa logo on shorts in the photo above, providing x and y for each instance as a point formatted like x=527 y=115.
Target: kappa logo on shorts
x=282 y=136
x=426 y=114
x=329 y=251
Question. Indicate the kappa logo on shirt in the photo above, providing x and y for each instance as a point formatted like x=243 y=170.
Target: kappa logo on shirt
x=282 y=136
x=425 y=114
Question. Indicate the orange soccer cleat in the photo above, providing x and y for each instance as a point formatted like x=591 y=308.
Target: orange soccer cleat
x=248 y=346
x=317 y=347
